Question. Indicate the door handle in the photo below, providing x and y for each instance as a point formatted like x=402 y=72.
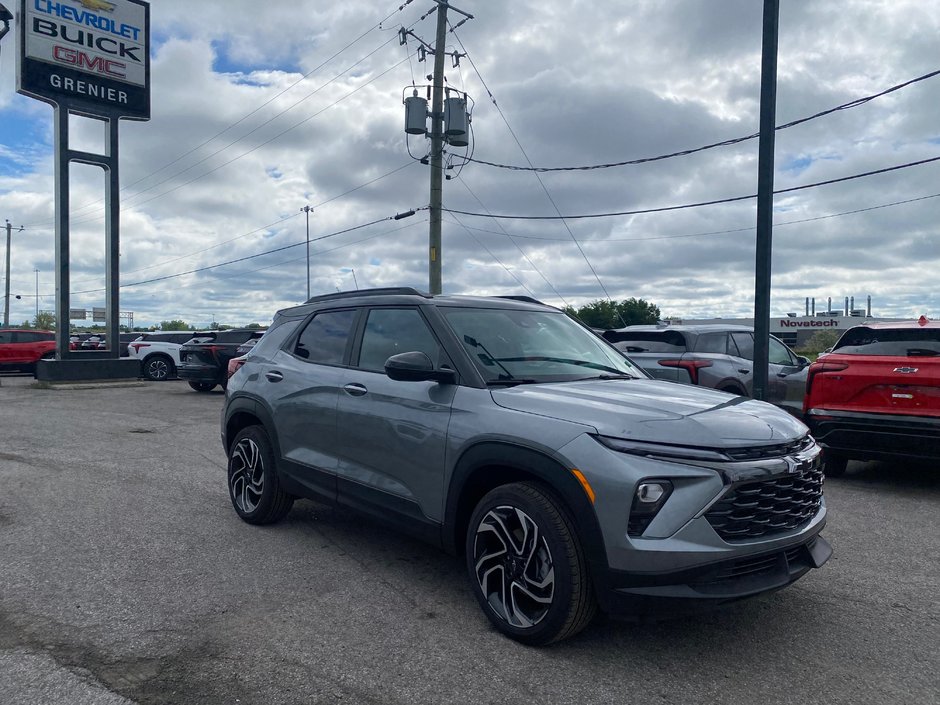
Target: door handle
x=274 y=376
x=745 y=372
x=355 y=390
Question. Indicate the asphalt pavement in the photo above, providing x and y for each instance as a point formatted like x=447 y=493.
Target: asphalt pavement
x=126 y=577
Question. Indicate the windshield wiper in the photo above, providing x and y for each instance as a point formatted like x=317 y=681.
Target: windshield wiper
x=563 y=360
x=605 y=377
x=511 y=382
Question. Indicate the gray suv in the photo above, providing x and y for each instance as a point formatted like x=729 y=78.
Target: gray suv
x=716 y=356
x=503 y=430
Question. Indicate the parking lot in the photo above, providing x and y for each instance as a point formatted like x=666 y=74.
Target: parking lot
x=125 y=576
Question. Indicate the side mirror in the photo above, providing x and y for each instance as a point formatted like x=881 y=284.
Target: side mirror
x=804 y=361
x=416 y=366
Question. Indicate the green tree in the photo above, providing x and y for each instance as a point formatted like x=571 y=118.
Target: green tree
x=175 y=325
x=45 y=320
x=821 y=340
x=609 y=314
x=253 y=326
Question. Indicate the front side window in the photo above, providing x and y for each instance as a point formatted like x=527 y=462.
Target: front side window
x=778 y=354
x=392 y=331
x=511 y=345
x=325 y=338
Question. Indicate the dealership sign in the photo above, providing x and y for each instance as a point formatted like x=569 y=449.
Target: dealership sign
x=88 y=56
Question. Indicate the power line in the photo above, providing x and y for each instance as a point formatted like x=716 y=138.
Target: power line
x=700 y=204
x=713 y=232
x=247 y=257
x=723 y=143
x=537 y=176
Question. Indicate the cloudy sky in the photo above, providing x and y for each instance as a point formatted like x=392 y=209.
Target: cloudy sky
x=259 y=109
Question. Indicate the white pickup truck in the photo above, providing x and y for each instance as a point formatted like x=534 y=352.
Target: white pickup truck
x=159 y=353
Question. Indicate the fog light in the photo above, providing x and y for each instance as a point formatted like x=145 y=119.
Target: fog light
x=649 y=498
x=650 y=492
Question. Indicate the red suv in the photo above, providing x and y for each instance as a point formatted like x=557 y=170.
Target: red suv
x=21 y=349
x=877 y=394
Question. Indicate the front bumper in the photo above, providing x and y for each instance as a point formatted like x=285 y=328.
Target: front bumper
x=864 y=436
x=633 y=596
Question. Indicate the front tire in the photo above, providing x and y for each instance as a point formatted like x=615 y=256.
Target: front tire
x=526 y=566
x=253 y=483
x=158 y=368
x=202 y=386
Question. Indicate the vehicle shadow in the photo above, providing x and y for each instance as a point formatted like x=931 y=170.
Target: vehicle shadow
x=901 y=475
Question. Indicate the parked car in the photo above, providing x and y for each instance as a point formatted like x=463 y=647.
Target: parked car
x=204 y=359
x=876 y=394
x=159 y=353
x=22 y=349
x=716 y=356
x=503 y=430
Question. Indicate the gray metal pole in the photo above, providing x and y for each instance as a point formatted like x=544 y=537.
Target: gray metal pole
x=62 y=296
x=765 y=197
x=37 y=297
x=307 y=210
x=437 y=149
x=113 y=238
x=6 y=296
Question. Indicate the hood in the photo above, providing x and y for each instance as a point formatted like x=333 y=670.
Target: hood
x=656 y=411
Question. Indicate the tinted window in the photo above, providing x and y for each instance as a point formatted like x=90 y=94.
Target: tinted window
x=904 y=342
x=668 y=341
x=235 y=336
x=392 y=331
x=712 y=343
x=744 y=343
x=778 y=354
x=6 y=336
x=325 y=337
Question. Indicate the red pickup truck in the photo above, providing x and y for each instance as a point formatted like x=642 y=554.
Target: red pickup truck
x=22 y=349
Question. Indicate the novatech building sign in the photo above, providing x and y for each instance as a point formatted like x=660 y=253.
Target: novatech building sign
x=90 y=56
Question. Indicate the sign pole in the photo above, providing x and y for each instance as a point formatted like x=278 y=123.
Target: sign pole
x=62 y=298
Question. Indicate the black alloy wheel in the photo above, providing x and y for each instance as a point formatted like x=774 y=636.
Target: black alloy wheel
x=158 y=368
x=202 y=386
x=526 y=565
x=253 y=483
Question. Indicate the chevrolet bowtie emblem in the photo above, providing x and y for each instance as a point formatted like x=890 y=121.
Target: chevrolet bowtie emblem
x=101 y=5
x=906 y=370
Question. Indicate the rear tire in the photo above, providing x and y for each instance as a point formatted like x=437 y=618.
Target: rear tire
x=202 y=386
x=526 y=565
x=834 y=465
x=253 y=483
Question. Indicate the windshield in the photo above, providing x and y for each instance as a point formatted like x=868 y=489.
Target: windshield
x=511 y=345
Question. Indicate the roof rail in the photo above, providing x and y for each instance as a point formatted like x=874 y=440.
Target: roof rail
x=527 y=299
x=387 y=291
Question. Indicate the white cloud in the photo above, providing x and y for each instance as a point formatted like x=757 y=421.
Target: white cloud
x=240 y=140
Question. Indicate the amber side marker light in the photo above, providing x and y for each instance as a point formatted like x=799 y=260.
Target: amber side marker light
x=584 y=483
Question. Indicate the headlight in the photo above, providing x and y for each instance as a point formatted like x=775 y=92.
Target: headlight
x=661 y=450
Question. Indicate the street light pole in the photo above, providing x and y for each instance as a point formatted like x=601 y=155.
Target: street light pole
x=6 y=297
x=37 y=297
x=307 y=209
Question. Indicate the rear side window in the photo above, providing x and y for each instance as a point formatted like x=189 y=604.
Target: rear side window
x=903 y=342
x=714 y=343
x=6 y=336
x=744 y=342
x=667 y=341
x=326 y=337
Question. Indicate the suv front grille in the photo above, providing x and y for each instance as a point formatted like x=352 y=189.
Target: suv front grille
x=774 y=451
x=762 y=508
